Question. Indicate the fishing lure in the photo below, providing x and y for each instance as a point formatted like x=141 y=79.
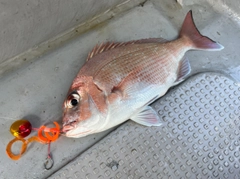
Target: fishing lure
x=22 y=128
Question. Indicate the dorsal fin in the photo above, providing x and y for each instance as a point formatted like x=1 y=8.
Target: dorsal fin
x=111 y=45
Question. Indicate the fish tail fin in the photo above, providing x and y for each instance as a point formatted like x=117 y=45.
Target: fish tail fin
x=199 y=41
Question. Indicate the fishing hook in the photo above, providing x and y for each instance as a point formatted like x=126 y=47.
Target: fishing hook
x=48 y=163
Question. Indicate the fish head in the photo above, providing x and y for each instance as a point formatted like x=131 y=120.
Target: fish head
x=81 y=115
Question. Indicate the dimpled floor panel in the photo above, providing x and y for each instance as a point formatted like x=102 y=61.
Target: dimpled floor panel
x=199 y=137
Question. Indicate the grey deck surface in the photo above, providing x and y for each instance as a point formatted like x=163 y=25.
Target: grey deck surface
x=36 y=92
x=199 y=138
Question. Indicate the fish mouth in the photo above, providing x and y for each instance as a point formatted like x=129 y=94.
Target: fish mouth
x=69 y=126
x=77 y=135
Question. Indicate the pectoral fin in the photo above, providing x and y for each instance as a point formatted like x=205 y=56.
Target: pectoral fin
x=130 y=84
x=147 y=117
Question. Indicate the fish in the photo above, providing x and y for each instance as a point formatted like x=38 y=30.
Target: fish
x=120 y=79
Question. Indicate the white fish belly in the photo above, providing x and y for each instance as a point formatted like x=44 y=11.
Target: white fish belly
x=161 y=74
x=122 y=110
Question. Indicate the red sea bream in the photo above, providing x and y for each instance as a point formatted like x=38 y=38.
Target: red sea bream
x=119 y=80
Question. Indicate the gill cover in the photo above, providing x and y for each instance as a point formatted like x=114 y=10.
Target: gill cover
x=94 y=123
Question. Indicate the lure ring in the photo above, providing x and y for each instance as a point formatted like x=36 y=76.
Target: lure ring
x=51 y=134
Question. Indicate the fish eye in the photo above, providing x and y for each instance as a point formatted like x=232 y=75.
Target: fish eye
x=73 y=100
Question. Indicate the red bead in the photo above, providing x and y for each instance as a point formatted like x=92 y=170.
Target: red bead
x=21 y=128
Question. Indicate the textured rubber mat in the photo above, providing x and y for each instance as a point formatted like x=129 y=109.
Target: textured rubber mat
x=199 y=138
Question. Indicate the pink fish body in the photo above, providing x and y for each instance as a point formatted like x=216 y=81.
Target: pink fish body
x=120 y=80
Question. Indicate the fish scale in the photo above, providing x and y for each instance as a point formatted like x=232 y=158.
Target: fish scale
x=122 y=66
x=151 y=60
x=120 y=80
x=98 y=61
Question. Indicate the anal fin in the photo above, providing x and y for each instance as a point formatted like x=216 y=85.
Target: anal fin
x=147 y=117
x=184 y=70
